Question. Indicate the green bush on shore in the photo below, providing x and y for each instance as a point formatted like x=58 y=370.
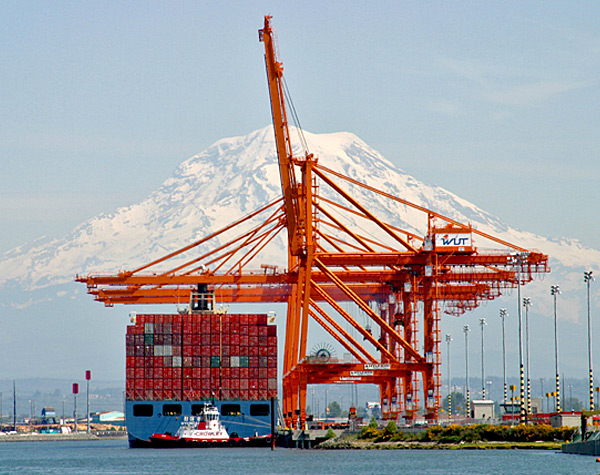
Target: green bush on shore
x=455 y=433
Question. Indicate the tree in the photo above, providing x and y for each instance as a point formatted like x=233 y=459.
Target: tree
x=334 y=409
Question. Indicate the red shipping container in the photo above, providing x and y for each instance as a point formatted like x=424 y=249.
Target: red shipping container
x=243 y=330
x=139 y=373
x=225 y=350
x=262 y=331
x=215 y=373
x=262 y=373
x=252 y=330
x=234 y=383
x=262 y=319
x=253 y=373
x=262 y=361
x=234 y=372
x=253 y=362
x=157 y=383
x=215 y=350
x=188 y=383
x=196 y=383
x=196 y=351
x=244 y=373
x=205 y=372
x=272 y=373
x=253 y=394
x=177 y=339
x=264 y=351
x=188 y=395
x=252 y=319
x=263 y=383
x=177 y=373
x=188 y=339
x=177 y=350
x=262 y=394
x=225 y=339
x=129 y=394
x=272 y=330
x=244 y=340
x=196 y=373
x=234 y=340
x=272 y=341
x=187 y=373
x=225 y=383
x=158 y=373
x=176 y=383
x=243 y=383
x=130 y=362
x=244 y=394
x=272 y=361
x=263 y=340
x=129 y=373
x=215 y=339
x=148 y=373
x=243 y=320
x=168 y=372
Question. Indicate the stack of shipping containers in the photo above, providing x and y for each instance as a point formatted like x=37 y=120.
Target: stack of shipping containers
x=196 y=357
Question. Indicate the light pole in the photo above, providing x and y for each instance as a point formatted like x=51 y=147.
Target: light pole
x=503 y=315
x=520 y=258
x=587 y=278
x=482 y=324
x=448 y=340
x=554 y=291
x=527 y=303
x=466 y=329
x=88 y=377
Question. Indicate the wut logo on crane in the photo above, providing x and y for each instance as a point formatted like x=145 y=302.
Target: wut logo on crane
x=458 y=240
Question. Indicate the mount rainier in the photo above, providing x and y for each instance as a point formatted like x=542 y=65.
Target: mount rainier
x=228 y=180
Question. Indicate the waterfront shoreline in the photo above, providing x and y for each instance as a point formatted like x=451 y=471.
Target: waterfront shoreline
x=28 y=437
x=353 y=443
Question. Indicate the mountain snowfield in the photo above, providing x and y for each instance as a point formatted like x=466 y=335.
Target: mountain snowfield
x=232 y=178
x=225 y=182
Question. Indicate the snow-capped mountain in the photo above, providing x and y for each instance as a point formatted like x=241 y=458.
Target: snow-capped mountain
x=232 y=178
x=226 y=181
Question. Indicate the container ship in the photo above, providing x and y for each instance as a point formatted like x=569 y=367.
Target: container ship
x=175 y=364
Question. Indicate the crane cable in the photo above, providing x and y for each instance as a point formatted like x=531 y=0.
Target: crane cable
x=295 y=118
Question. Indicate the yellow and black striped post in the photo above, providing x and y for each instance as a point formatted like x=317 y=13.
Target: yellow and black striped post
x=557 y=394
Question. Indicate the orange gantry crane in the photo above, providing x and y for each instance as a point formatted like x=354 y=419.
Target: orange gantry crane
x=376 y=289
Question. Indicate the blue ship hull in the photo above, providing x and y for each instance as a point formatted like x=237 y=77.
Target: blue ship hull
x=240 y=418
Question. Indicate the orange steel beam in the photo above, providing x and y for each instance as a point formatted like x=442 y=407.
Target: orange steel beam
x=282 y=138
x=365 y=308
x=210 y=236
x=408 y=234
x=364 y=210
x=348 y=341
x=421 y=208
x=366 y=335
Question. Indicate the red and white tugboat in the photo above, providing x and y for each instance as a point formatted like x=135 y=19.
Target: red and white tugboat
x=204 y=429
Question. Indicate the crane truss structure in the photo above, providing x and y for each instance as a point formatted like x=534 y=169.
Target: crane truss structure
x=378 y=290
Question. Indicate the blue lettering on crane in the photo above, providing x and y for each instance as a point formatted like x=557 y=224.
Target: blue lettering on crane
x=454 y=241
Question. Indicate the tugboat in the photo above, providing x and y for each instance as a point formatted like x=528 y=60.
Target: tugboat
x=205 y=429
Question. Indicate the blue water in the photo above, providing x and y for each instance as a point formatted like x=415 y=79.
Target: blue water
x=114 y=457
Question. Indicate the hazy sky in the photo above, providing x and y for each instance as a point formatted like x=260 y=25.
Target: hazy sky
x=495 y=101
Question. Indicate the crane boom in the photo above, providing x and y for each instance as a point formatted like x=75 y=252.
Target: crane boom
x=282 y=139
